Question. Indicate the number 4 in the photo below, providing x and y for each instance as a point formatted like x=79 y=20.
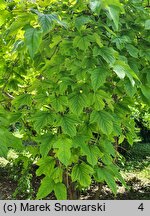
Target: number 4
x=141 y=207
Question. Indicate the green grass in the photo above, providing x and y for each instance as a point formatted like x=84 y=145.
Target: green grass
x=137 y=163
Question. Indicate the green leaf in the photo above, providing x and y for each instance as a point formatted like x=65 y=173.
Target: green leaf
x=92 y=152
x=21 y=21
x=14 y=117
x=122 y=69
x=104 y=121
x=3 y=149
x=98 y=40
x=46 y=22
x=60 y=191
x=3 y=118
x=57 y=175
x=130 y=90
x=9 y=140
x=117 y=127
x=148 y=77
x=107 y=3
x=129 y=137
x=63 y=153
x=58 y=21
x=24 y=99
x=81 y=173
x=98 y=101
x=13 y=142
x=33 y=38
x=98 y=175
x=147 y=24
x=109 y=179
x=46 y=166
x=3 y=5
x=81 y=21
x=103 y=174
x=64 y=83
x=68 y=124
x=146 y=91
x=133 y=51
x=114 y=169
x=46 y=144
x=55 y=41
x=93 y=155
x=58 y=103
x=98 y=77
x=79 y=141
x=46 y=187
x=114 y=12
x=107 y=53
x=77 y=102
x=41 y=119
x=107 y=159
x=82 y=142
x=119 y=70
x=95 y=5
x=107 y=147
x=82 y=42
x=3 y=17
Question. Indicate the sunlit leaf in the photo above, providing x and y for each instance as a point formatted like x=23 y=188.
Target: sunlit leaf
x=60 y=191
x=81 y=173
x=46 y=187
x=63 y=153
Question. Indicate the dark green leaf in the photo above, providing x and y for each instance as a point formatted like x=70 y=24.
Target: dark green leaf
x=82 y=42
x=68 y=124
x=98 y=77
x=77 y=102
x=46 y=22
x=33 y=37
x=46 y=143
x=23 y=99
x=41 y=119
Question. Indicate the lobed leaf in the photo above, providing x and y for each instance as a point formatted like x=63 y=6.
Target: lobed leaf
x=103 y=120
x=81 y=173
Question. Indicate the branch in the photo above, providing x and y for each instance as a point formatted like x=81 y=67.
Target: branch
x=55 y=51
x=8 y=95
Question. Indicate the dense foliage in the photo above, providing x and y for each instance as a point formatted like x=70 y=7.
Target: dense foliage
x=70 y=71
